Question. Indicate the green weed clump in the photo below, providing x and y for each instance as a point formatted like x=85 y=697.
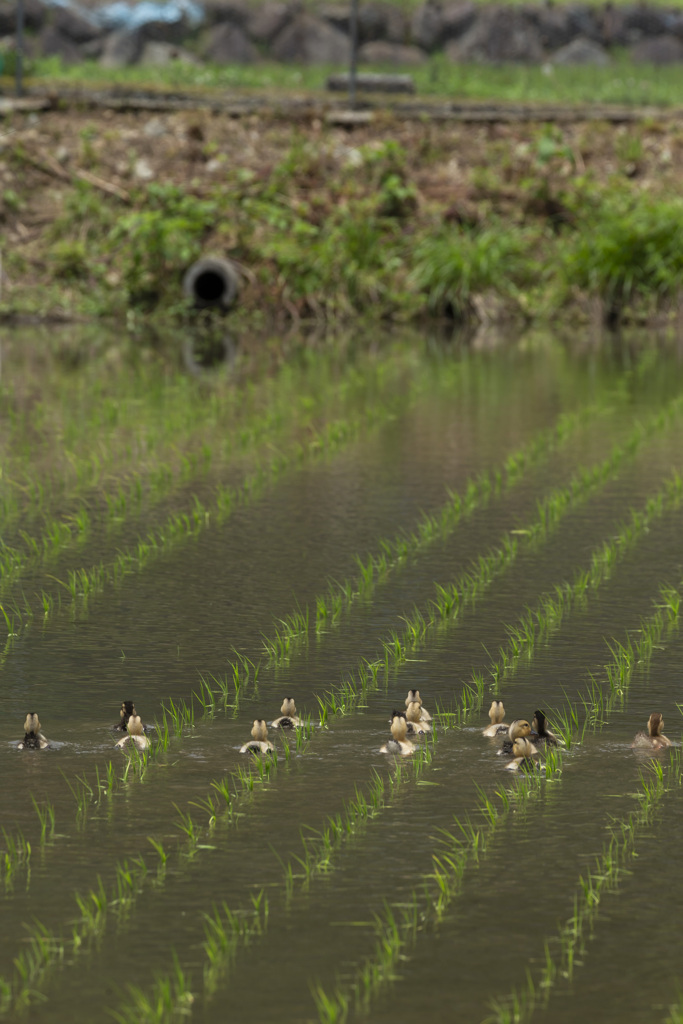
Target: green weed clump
x=628 y=250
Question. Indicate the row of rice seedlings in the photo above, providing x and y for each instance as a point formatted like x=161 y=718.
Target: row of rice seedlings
x=635 y=652
x=15 y=857
x=451 y=600
x=438 y=525
x=397 y=928
x=215 y=691
x=171 y=997
x=618 y=854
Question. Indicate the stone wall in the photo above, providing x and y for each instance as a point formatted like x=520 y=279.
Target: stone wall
x=232 y=31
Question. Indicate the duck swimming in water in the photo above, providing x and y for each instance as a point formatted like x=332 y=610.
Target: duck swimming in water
x=135 y=736
x=33 y=738
x=540 y=733
x=414 y=697
x=415 y=724
x=127 y=709
x=523 y=756
x=653 y=739
x=496 y=714
x=519 y=729
x=260 y=744
x=398 y=745
x=288 y=719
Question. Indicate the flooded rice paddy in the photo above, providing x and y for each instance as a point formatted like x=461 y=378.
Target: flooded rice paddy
x=342 y=525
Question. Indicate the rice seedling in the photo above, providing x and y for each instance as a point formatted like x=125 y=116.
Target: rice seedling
x=617 y=854
x=46 y=817
x=93 y=909
x=171 y=997
x=16 y=856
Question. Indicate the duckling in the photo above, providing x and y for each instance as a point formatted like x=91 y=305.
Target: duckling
x=540 y=733
x=127 y=709
x=496 y=714
x=135 y=736
x=414 y=697
x=518 y=729
x=398 y=745
x=653 y=739
x=289 y=719
x=260 y=743
x=33 y=738
x=522 y=754
x=414 y=723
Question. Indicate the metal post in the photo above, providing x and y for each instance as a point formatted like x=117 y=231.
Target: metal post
x=19 y=44
x=353 y=70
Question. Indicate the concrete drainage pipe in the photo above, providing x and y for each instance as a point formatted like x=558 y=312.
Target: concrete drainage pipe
x=212 y=282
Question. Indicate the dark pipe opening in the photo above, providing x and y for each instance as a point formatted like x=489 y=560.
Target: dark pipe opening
x=210 y=287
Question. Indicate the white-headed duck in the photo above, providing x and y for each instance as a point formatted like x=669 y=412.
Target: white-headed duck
x=260 y=744
x=540 y=733
x=135 y=736
x=415 y=698
x=496 y=714
x=523 y=752
x=518 y=729
x=653 y=739
x=398 y=745
x=33 y=737
x=288 y=719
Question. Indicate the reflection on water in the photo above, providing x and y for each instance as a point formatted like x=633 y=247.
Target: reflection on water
x=152 y=636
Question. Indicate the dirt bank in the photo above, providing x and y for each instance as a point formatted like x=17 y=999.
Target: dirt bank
x=398 y=218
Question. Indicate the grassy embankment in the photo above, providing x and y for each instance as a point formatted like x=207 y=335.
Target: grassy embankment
x=399 y=220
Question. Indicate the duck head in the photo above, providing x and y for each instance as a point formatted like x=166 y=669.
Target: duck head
x=399 y=728
x=288 y=707
x=412 y=713
x=259 y=730
x=32 y=725
x=127 y=709
x=519 y=728
x=135 y=726
x=496 y=712
x=655 y=724
x=413 y=697
x=522 y=747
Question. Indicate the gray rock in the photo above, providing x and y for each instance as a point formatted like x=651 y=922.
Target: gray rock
x=426 y=28
x=52 y=43
x=310 y=40
x=156 y=54
x=265 y=23
x=122 y=48
x=624 y=26
x=174 y=32
x=382 y=21
x=584 y=21
x=500 y=34
x=456 y=19
x=661 y=50
x=394 y=54
x=73 y=25
x=554 y=24
x=582 y=51
x=232 y=12
x=228 y=44
x=338 y=15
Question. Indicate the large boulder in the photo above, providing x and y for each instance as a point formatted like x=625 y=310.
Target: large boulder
x=426 y=27
x=122 y=48
x=624 y=26
x=382 y=21
x=456 y=19
x=234 y=12
x=73 y=25
x=228 y=44
x=582 y=51
x=392 y=54
x=660 y=50
x=265 y=22
x=554 y=24
x=584 y=21
x=53 y=43
x=310 y=40
x=158 y=31
x=499 y=35
x=35 y=16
